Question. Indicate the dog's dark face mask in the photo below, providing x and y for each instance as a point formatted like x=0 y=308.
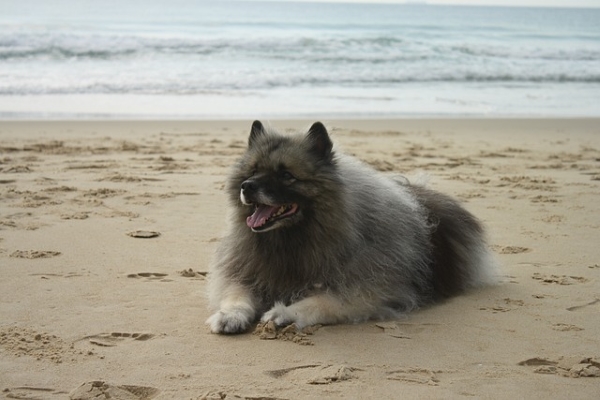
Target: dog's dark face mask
x=273 y=205
x=278 y=185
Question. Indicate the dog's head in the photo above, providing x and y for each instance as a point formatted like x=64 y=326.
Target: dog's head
x=280 y=178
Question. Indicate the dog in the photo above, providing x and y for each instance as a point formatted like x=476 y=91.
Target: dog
x=317 y=237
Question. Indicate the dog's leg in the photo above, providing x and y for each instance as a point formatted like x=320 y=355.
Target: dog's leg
x=237 y=310
x=319 y=309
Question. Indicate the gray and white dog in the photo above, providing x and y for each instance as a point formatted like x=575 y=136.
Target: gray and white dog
x=317 y=237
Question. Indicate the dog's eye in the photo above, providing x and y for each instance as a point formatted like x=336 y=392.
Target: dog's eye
x=287 y=176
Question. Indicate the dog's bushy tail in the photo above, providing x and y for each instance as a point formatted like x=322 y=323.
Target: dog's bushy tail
x=461 y=258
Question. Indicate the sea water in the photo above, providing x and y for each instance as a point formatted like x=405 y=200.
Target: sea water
x=248 y=59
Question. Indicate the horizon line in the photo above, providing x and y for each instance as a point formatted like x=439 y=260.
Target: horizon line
x=439 y=3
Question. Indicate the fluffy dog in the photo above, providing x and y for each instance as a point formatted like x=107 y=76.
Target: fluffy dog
x=316 y=237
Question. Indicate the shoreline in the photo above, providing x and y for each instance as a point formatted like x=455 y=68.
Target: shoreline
x=85 y=301
x=586 y=124
x=414 y=99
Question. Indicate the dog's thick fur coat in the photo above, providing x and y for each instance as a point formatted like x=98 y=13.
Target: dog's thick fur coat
x=316 y=237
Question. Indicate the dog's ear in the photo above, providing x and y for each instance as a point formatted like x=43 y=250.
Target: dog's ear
x=320 y=142
x=256 y=131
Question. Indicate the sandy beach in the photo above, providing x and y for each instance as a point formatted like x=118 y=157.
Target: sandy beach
x=107 y=229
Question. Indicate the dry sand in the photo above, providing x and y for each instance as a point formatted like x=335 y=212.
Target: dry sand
x=107 y=228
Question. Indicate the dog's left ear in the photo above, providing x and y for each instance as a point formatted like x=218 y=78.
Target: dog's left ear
x=321 y=144
x=257 y=130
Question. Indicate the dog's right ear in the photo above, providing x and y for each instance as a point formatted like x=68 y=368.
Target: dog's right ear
x=256 y=131
x=320 y=142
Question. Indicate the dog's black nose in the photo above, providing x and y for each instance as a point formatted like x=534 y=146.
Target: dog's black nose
x=249 y=185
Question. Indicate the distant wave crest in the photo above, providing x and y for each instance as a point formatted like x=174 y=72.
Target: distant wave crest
x=367 y=49
x=174 y=60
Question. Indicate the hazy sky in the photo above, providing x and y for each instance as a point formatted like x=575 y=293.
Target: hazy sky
x=538 y=3
x=542 y=3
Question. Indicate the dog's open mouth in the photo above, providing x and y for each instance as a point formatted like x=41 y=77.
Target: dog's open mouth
x=264 y=215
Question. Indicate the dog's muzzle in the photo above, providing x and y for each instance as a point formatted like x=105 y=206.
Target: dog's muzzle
x=247 y=191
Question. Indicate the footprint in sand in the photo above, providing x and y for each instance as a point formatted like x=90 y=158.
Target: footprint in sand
x=510 y=249
x=57 y=189
x=31 y=254
x=190 y=273
x=150 y=276
x=221 y=395
x=143 y=234
x=571 y=367
x=592 y=307
x=563 y=280
x=551 y=219
x=79 y=165
x=53 y=275
x=127 y=179
x=114 y=338
x=410 y=329
x=392 y=329
x=103 y=193
x=509 y=305
x=422 y=376
x=528 y=183
x=101 y=390
x=24 y=341
x=496 y=309
x=566 y=327
x=17 y=169
x=31 y=392
x=544 y=199
x=314 y=374
x=76 y=215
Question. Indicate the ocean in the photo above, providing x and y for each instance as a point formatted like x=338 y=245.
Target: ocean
x=151 y=59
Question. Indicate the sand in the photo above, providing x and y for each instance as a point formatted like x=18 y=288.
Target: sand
x=107 y=228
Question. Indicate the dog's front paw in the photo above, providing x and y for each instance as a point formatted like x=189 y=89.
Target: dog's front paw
x=280 y=315
x=229 y=321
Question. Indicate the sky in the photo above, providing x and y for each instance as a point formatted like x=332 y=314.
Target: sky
x=525 y=3
x=537 y=3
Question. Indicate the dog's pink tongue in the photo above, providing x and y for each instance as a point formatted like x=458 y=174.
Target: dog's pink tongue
x=260 y=216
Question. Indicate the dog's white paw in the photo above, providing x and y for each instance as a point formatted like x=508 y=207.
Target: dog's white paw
x=281 y=315
x=229 y=321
